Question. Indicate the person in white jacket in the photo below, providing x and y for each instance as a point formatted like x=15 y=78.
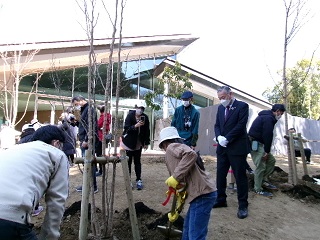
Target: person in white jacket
x=27 y=172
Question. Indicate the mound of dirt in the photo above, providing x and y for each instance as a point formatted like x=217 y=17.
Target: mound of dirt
x=284 y=214
x=148 y=221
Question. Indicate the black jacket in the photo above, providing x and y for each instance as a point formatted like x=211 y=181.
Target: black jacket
x=69 y=145
x=131 y=134
x=262 y=128
x=84 y=123
x=26 y=135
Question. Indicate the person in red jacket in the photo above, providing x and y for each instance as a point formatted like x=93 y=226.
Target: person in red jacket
x=103 y=116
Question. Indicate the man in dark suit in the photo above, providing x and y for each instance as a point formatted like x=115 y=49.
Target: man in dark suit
x=233 y=148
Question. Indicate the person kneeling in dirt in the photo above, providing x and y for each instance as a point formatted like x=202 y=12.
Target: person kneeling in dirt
x=307 y=151
x=201 y=189
x=27 y=171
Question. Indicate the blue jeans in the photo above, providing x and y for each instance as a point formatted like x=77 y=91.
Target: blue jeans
x=195 y=226
x=16 y=231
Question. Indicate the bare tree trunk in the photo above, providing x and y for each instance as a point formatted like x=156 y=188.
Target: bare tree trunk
x=285 y=92
x=107 y=231
x=92 y=74
x=293 y=9
x=110 y=226
x=15 y=62
x=35 y=114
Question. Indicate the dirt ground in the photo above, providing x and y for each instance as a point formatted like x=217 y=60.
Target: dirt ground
x=288 y=215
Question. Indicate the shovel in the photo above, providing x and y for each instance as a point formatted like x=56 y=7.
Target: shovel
x=169 y=231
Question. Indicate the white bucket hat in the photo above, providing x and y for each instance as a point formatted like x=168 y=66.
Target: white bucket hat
x=26 y=126
x=168 y=133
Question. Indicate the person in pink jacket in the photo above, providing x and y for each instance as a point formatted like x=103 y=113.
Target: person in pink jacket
x=104 y=116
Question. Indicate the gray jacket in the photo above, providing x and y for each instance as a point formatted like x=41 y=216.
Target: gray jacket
x=27 y=172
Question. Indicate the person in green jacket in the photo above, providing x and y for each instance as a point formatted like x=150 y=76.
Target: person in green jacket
x=186 y=120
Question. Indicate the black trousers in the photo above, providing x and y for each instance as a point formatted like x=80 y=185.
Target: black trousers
x=16 y=231
x=99 y=154
x=307 y=152
x=136 y=156
x=238 y=164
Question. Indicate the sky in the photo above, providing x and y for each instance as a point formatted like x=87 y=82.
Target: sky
x=240 y=42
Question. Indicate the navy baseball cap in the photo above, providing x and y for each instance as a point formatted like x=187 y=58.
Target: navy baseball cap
x=186 y=95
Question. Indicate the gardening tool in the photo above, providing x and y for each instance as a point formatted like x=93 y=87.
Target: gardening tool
x=177 y=205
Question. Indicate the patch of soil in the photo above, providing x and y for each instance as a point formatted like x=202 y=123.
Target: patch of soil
x=284 y=215
x=148 y=221
x=305 y=189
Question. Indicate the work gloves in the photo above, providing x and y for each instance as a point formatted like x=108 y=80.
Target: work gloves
x=173 y=217
x=180 y=196
x=172 y=182
x=222 y=141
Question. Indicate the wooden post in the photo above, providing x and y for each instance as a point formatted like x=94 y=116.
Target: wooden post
x=293 y=160
x=83 y=228
x=132 y=210
x=303 y=156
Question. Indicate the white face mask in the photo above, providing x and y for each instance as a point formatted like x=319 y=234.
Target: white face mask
x=186 y=103
x=78 y=107
x=139 y=111
x=278 y=117
x=224 y=102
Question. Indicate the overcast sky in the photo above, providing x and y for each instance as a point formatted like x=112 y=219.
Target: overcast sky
x=240 y=42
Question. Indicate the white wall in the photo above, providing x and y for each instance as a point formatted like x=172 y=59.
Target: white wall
x=310 y=129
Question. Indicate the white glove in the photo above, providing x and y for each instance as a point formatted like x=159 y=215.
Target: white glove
x=224 y=143
x=221 y=138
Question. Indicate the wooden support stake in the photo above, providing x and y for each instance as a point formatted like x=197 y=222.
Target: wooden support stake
x=293 y=160
x=103 y=160
x=83 y=228
x=132 y=210
x=303 y=156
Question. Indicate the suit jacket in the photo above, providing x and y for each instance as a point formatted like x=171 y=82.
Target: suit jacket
x=234 y=128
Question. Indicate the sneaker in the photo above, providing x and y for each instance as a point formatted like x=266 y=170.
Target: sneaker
x=269 y=186
x=36 y=212
x=79 y=189
x=139 y=185
x=98 y=174
x=264 y=194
